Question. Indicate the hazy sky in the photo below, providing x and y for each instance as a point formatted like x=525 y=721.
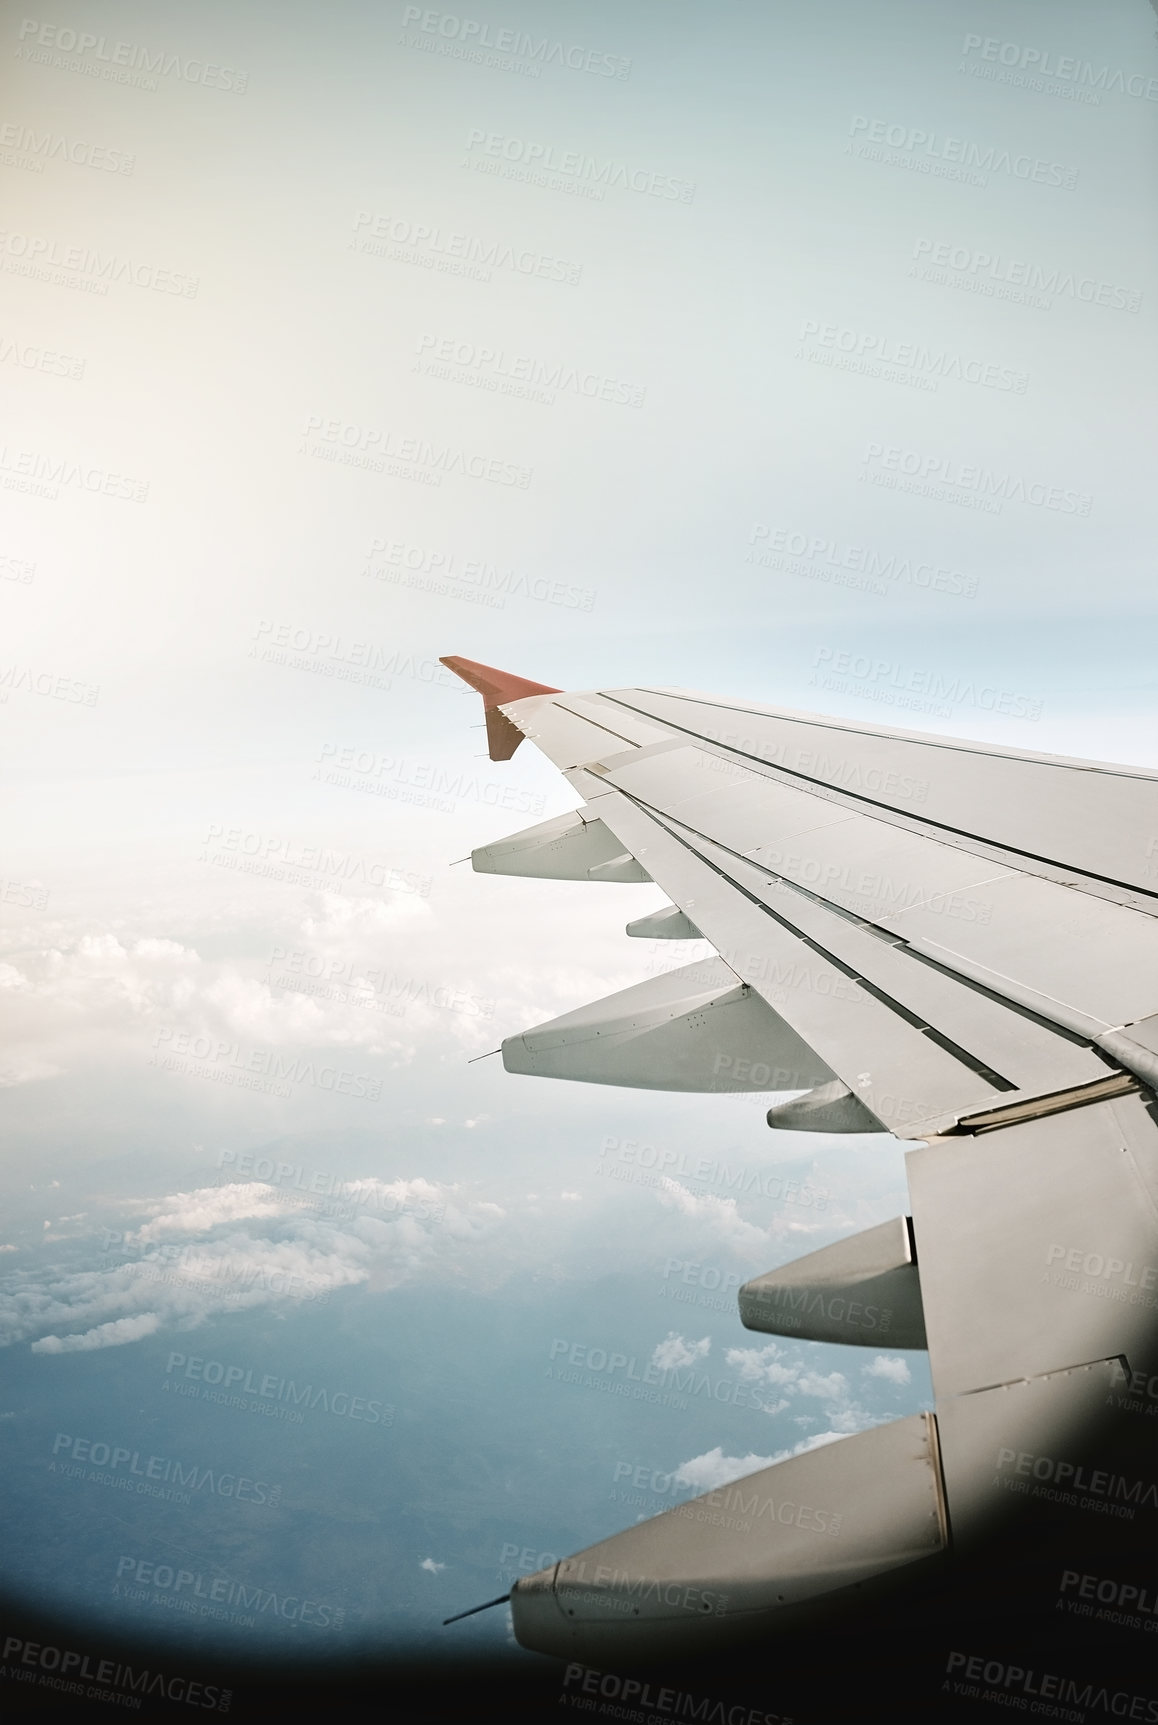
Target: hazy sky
x=801 y=353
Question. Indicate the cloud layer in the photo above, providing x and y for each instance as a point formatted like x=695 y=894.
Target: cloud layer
x=243 y=1246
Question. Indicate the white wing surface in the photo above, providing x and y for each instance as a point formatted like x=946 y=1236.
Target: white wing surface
x=950 y=941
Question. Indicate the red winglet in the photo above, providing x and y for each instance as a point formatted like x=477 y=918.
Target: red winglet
x=496 y=688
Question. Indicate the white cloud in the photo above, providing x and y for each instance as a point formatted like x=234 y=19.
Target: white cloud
x=762 y=1365
x=358 y=973
x=798 y=1382
x=429 y=1564
x=113 y=1335
x=716 y=1219
x=197 y=1212
x=674 y=1352
x=245 y=1246
x=25 y=1067
x=816 y=1441
x=817 y=1384
x=765 y=1365
x=890 y=1367
x=708 y=1472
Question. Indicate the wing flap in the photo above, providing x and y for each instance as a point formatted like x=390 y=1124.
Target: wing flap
x=1071 y=1246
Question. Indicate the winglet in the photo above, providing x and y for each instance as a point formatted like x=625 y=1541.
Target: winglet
x=497 y=687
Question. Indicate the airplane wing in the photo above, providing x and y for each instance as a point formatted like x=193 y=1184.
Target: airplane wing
x=950 y=941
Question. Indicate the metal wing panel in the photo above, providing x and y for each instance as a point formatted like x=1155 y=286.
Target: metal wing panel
x=905 y=1078
x=568 y=738
x=1026 y=1054
x=1038 y=1246
x=877 y=870
x=1048 y=1453
x=608 y=715
x=739 y=807
x=1097 y=958
x=915 y=910
x=1095 y=817
x=1068 y=946
x=910 y=1071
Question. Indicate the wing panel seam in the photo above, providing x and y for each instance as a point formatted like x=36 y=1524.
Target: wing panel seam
x=770 y=770
x=962 y=1055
